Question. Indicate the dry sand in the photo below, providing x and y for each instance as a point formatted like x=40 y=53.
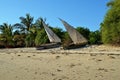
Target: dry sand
x=89 y=63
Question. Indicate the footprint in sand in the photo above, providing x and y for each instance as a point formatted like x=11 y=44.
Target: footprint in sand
x=16 y=76
x=111 y=57
x=93 y=54
x=12 y=58
x=57 y=57
x=53 y=74
x=102 y=69
x=36 y=72
x=112 y=69
x=61 y=78
x=59 y=70
x=28 y=56
x=98 y=60
x=8 y=53
x=19 y=55
x=72 y=65
x=34 y=55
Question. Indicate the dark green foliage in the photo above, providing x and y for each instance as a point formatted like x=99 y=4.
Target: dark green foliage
x=30 y=39
x=7 y=35
x=2 y=41
x=29 y=34
x=95 y=37
x=27 y=28
x=58 y=31
x=110 y=27
x=38 y=23
x=84 y=31
x=41 y=37
x=111 y=3
x=19 y=40
x=66 y=40
x=25 y=24
x=27 y=21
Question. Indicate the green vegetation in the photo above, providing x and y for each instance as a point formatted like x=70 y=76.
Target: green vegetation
x=66 y=40
x=84 y=31
x=30 y=33
x=110 y=27
x=7 y=35
x=95 y=37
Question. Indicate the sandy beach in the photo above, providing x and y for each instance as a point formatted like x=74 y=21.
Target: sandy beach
x=88 y=63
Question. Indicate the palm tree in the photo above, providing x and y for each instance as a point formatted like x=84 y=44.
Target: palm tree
x=34 y=32
x=25 y=27
x=25 y=24
x=27 y=21
x=7 y=34
x=39 y=22
x=41 y=36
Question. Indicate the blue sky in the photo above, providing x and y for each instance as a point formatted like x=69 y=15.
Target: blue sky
x=85 y=13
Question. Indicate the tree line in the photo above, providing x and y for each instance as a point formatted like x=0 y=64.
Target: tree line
x=28 y=33
x=110 y=27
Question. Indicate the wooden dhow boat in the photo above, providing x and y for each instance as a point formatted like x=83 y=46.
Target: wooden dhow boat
x=78 y=39
x=54 y=39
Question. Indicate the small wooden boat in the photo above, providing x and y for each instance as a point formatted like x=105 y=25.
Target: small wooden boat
x=54 y=39
x=78 y=39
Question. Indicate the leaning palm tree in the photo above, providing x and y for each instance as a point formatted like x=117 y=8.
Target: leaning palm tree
x=7 y=34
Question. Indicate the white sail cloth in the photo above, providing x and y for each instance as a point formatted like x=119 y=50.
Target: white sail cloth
x=76 y=37
x=51 y=35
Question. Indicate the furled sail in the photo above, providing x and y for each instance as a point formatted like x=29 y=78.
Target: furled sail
x=76 y=37
x=51 y=35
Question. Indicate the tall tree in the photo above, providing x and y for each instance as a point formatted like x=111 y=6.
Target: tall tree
x=27 y=21
x=7 y=34
x=110 y=27
x=25 y=24
x=41 y=36
x=38 y=22
x=27 y=28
